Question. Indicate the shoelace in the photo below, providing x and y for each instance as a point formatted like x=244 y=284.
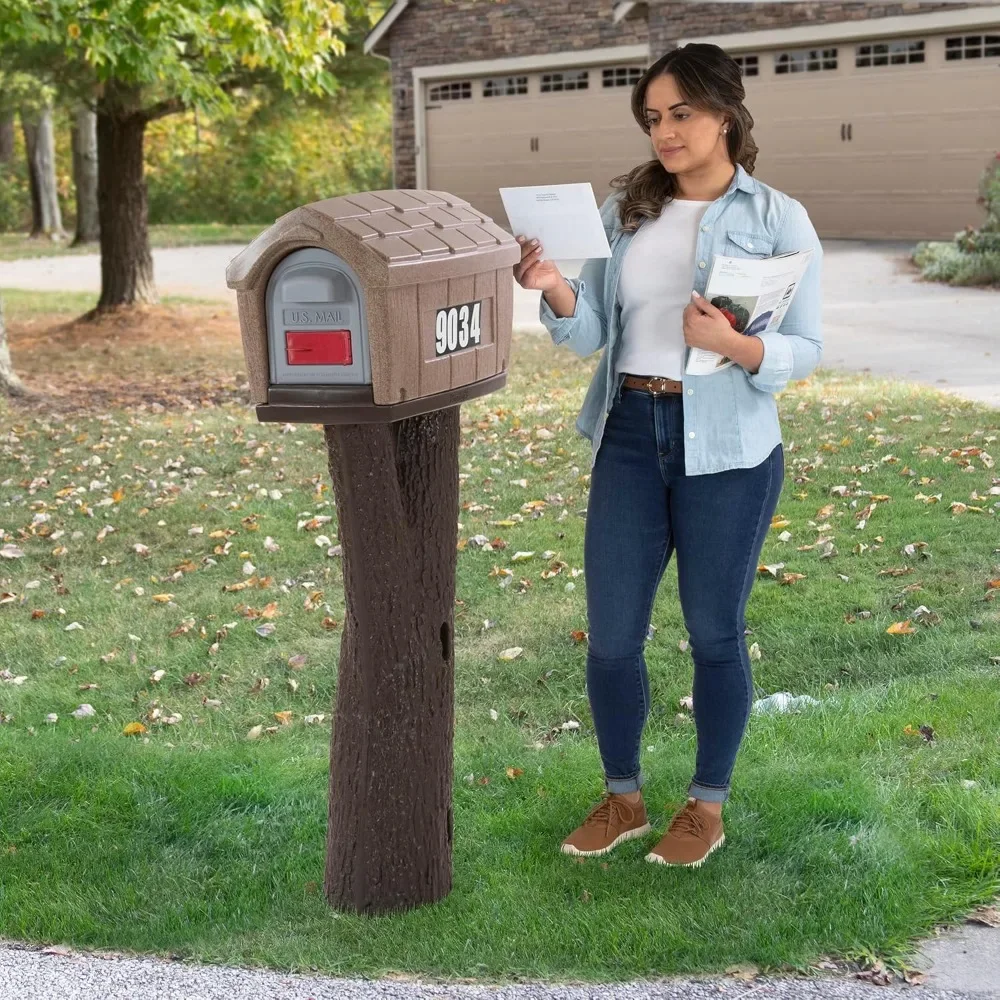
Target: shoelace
x=604 y=812
x=689 y=820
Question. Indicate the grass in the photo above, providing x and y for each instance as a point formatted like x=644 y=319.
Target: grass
x=848 y=834
x=22 y=304
x=17 y=245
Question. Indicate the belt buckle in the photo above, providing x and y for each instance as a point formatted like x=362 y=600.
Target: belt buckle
x=663 y=387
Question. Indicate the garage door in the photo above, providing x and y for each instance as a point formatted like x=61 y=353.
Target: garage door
x=879 y=138
x=558 y=127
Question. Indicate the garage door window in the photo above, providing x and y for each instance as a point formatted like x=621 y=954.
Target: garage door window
x=621 y=76
x=889 y=53
x=461 y=90
x=564 y=81
x=972 y=46
x=505 y=86
x=807 y=60
x=748 y=65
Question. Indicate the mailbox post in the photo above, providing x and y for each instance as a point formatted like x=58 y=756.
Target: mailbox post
x=376 y=315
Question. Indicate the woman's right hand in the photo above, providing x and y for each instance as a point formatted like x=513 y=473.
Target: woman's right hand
x=533 y=272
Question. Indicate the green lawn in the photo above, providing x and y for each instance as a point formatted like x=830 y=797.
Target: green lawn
x=16 y=245
x=848 y=833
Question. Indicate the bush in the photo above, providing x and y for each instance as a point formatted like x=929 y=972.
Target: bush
x=973 y=255
x=266 y=158
x=15 y=199
x=947 y=263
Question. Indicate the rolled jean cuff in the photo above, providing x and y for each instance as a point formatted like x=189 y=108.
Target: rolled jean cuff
x=622 y=786
x=706 y=793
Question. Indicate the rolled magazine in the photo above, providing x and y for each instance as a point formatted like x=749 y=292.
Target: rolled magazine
x=754 y=293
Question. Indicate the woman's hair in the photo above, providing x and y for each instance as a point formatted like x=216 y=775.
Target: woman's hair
x=709 y=80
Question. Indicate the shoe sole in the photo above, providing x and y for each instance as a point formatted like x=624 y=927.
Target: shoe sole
x=656 y=859
x=639 y=831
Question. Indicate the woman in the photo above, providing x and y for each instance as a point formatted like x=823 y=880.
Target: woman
x=679 y=462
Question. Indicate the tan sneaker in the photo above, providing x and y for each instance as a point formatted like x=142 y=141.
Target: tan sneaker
x=691 y=837
x=613 y=821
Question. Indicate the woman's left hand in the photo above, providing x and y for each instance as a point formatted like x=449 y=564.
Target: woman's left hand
x=705 y=326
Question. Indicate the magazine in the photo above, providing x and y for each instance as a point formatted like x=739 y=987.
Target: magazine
x=754 y=293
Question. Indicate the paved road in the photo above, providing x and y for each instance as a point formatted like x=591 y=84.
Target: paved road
x=877 y=316
x=27 y=974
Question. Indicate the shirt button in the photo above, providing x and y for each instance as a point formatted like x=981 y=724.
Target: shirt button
x=701 y=263
x=690 y=392
x=704 y=229
x=749 y=246
x=690 y=434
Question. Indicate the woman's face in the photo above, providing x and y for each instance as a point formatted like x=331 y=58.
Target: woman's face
x=683 y=137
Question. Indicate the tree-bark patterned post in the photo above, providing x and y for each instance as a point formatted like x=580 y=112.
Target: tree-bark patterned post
x=390 y=823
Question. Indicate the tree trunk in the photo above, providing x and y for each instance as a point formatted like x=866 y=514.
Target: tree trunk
x=6 y=136
x=30 y=131
x=84 y=140
x=40 y=144
x=126 y=261
x=389 y=830
x=10 y=384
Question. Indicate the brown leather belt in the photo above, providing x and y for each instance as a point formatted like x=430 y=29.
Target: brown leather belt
x=653 y=384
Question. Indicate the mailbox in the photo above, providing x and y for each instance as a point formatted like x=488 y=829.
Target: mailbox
x=374 y=307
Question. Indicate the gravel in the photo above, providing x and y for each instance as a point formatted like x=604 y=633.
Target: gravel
x=28 y=974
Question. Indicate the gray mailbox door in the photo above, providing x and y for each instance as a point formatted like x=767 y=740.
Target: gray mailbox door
x=316 y=329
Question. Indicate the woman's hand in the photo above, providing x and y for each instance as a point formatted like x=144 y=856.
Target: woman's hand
x=707 y=327
x=533 y=272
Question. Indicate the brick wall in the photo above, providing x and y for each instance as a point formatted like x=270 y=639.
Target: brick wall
x=431 y=32
x=669 y=21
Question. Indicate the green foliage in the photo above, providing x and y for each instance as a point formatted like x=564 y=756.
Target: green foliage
x=940 y=261
x=15 y=205
x=989 y=195
x=189 y=53
x=973 y=255
x=256 y=163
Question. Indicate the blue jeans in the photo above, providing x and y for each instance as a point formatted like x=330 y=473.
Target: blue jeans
x=643 y=507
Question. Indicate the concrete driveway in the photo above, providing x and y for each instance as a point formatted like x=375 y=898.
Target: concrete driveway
x=877 y=316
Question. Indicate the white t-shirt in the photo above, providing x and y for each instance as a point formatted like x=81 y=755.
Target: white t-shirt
x=654 y=288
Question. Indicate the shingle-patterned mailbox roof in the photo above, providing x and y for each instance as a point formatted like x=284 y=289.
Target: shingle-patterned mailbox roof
x=393 y=230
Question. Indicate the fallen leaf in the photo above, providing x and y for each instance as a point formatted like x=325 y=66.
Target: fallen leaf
x=901 y=628
x=134 y=729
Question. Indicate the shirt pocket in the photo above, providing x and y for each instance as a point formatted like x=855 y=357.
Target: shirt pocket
x=743 y=243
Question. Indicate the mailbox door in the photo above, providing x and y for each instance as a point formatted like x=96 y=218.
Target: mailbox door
x=316 y=328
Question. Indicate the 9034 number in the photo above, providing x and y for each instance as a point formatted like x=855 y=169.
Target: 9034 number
x=456 y=327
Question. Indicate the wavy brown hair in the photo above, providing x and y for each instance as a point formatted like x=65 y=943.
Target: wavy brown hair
x=709 y=80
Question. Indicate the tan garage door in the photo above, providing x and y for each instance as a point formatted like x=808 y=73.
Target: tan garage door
x=557 y=127
x=890 y=143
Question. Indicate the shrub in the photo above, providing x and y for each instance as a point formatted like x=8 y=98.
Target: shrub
x=267 y=157
x=15 y=199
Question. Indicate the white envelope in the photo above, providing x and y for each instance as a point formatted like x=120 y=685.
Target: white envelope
x=564 y=218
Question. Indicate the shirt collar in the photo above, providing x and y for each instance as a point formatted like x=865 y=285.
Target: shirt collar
x=743 y=181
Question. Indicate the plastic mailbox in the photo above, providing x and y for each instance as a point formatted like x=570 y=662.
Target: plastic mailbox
x=374 y=307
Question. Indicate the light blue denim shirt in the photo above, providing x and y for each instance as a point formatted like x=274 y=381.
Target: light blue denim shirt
x=730 y=416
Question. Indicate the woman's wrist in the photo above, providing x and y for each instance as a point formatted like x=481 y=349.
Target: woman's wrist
x=561 y=299
x=748 y=352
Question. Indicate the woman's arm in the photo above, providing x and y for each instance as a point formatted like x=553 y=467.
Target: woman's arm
x=793 y=350
x=580 y=321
